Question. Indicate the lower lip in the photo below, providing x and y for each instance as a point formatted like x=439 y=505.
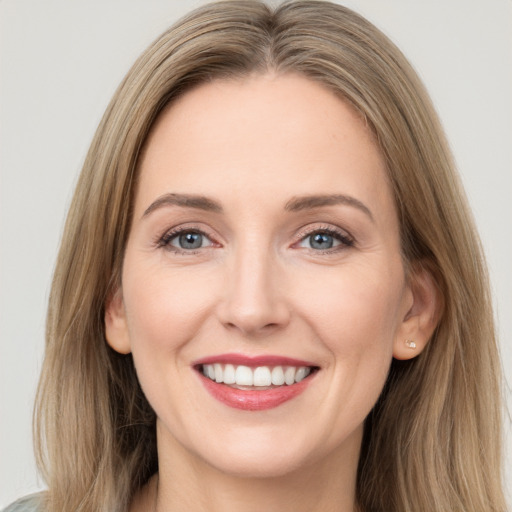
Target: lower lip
x=252 y=400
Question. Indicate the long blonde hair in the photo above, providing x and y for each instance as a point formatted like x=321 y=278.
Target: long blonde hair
x=432 y=442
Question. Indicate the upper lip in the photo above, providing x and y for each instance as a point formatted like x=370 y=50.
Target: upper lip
x=253 y=361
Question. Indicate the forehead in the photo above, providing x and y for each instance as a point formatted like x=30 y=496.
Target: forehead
x=272 y=135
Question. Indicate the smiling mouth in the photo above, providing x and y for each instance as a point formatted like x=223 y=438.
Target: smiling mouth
x=258 y=378
x=257 y=382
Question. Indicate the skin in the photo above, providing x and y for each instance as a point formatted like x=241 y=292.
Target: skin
x=257 y=286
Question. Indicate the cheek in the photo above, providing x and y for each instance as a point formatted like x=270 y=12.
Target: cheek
x=353 y=313
x=356 y=312
x=165 y=308
x=353 y=301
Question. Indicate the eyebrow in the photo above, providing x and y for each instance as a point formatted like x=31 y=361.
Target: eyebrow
x=185 y=201
x=293 y=205
x=310 y=202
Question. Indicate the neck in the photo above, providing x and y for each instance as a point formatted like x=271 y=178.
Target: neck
x=186 y=483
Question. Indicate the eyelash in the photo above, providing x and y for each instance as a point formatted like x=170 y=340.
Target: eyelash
x=165 y=240
x=341 y=236
x=345 y=240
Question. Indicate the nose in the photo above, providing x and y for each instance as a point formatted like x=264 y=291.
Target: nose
x=254 y=301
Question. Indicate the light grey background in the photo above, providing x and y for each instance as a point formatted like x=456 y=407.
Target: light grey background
x=60 y=63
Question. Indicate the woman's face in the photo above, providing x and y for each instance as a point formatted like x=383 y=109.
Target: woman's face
x=264 y=249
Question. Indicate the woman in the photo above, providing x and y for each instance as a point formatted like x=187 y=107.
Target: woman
x=265 y=297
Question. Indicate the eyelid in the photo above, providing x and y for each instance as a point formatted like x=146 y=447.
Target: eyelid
x=343 y=236
x=164 y=240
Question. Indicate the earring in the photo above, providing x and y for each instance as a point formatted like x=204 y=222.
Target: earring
x=410 y=344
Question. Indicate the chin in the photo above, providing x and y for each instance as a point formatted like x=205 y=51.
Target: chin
x=258 y=464
x=270 y=452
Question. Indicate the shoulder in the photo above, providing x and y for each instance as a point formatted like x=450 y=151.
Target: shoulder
x=32 y=503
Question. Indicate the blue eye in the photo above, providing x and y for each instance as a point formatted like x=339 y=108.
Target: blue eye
x=326 y=240
x=185 y=240
x=188 y=241
x=321 y=241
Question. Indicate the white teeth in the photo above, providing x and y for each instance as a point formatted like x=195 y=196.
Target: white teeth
x=278 y=376
x=262 y=376
x=218 y=372
x=289 y=375
x=229 y=374
x=300 y=375
x=243 y=376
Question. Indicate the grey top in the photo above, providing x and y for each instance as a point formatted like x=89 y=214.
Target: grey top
x=31 y=503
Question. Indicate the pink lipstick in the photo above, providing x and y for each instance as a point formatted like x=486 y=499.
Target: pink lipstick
x=254 y=383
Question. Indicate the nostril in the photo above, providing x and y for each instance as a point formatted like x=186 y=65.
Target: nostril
x=253 y=328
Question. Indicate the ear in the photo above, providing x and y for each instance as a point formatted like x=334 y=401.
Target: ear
x=424 y=308
x=116 y=328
